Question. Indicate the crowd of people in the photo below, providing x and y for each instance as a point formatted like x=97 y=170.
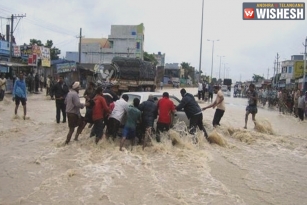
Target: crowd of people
x=106 y=113
x=291 y=101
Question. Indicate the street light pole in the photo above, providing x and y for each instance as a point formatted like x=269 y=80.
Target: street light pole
x=201 y=40
x=220 y=66
x=212 y=57
x=225 y=69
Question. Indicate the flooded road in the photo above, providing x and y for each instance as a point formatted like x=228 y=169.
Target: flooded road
x=255 y=166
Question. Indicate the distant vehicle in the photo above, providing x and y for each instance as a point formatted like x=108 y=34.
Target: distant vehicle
x=224 y=88
x=228 y=83
x=127 y=74
x=143 y=96
x=175 y=84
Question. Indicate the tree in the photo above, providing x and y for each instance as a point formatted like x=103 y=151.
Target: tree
x=188 y=70
x=256 y=78
x=151 y=58
x=54 y=52
x=37 y=42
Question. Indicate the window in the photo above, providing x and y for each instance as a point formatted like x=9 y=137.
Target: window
x=131 y=97
x=111 y=44
x=289 y=69
x=175 y=100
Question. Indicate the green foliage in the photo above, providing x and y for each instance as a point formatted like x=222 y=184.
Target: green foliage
x=151 y=58
x=256 y=78
x=37 y=42
x=188 y=70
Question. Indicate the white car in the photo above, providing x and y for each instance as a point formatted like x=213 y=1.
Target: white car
x=143 y=96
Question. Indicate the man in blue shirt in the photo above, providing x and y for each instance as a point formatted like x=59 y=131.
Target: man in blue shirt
x=20 y=94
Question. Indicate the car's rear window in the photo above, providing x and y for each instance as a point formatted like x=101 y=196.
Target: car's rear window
x=131 y=97
x=172 y=98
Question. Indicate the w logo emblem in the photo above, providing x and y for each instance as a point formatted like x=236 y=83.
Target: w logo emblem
x=249 y=13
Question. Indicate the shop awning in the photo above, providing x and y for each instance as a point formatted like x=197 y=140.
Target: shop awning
x=12 y=64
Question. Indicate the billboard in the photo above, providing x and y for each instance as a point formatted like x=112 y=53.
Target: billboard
x=36 y=51
x=16 y=51
x=66 y=67
x=298 y=69
x=25 y=51
x=32 y=60
x=4 y=47
x=45 y=56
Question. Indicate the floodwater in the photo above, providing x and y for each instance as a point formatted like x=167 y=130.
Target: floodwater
x=267 y=165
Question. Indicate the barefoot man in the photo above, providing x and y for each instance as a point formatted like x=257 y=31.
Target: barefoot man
x=20 y=94
x=73 y=107
x=252 y=96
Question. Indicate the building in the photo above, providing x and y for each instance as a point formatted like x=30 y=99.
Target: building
x=171 y=73
x=124 y=40
x=160 y=58
x=291 y=75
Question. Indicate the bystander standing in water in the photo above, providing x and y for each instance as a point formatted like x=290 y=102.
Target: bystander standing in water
x=301 y=106
x=48 y=84
x=252 y=96
x=42 y=81
x=73 y=106
x=210 y=93
x=2 y=86
x=60 y=90
x=200 y=90
x=20 y=94
x=36 y=79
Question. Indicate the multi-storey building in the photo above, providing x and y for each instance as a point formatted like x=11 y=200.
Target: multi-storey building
x=124 y=40
x=292 y=72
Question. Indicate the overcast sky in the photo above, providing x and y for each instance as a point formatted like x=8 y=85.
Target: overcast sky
x=171 y=27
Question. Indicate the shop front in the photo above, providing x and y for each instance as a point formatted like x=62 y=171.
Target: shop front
x=68 y=69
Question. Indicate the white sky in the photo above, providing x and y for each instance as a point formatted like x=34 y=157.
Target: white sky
x=171 y=27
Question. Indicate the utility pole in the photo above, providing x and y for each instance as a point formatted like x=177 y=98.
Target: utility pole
x=220 y=66
x=80 y=37
x=12 y=32
x=304 y=75
x=274 y=77
x=277 y=66
x=268 y=73
x=201 y=40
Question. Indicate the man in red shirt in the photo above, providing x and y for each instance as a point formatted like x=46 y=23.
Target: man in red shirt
x=165 y=109
x=100 y=109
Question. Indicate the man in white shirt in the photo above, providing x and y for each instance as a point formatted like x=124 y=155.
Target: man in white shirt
x=41 y=82
x=2 y=86
x=117 y=115
x=200 y=90
x=219 y=104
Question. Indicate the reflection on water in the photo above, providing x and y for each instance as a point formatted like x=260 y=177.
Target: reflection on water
x=265 y=164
